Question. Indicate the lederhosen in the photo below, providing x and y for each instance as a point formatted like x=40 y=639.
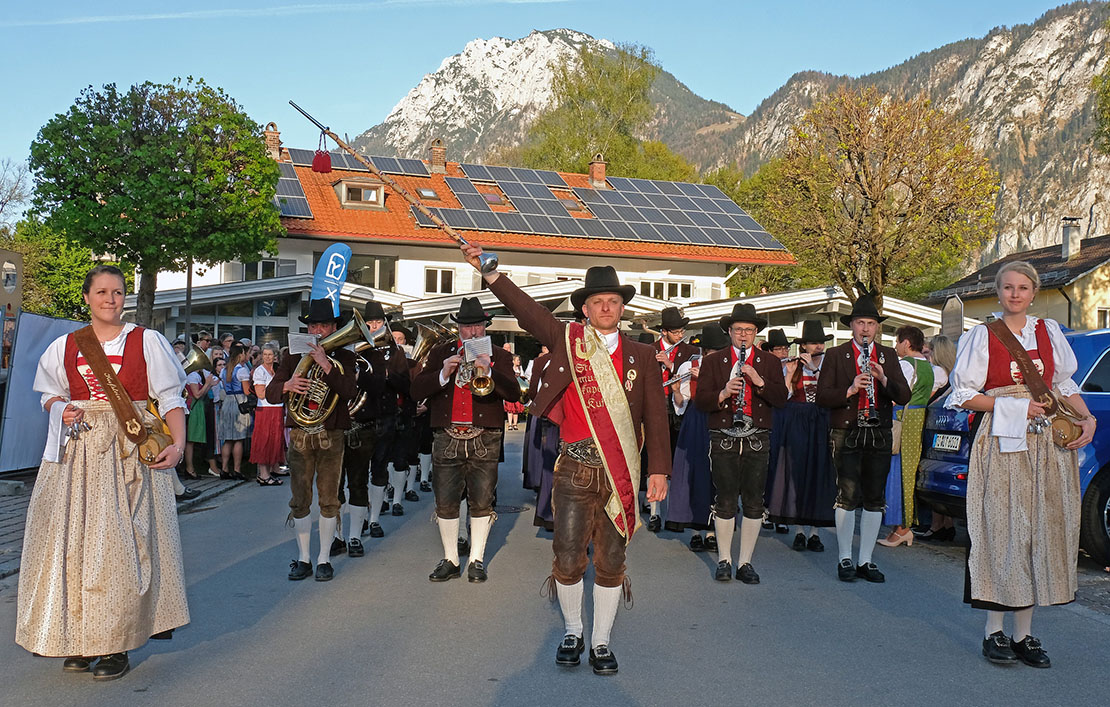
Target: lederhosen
x=739 y=464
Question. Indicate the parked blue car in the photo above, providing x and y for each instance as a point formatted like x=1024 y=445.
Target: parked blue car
x=946 y=446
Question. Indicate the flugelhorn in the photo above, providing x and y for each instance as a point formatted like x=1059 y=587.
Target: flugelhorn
x=308 y=418
x=382 y=336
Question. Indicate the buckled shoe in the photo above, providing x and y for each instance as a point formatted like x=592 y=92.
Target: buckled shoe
x=476 y=571
x=998 y=649
x=410 y=495
x=445 y=570
x=846 y=571
x=814 y=544
x=724 y=571
x=355 y=548
x=338 y=547
x=299 y=570
x=697 y=543
x=799 y=542
x=376 y=530
x=570 y=651
x=655 y=523
x=324 y=572
x=603 y=661
x=112 y=666
x=77 y=664
x=747 y=574
x=1029 y=651
x=870 y=572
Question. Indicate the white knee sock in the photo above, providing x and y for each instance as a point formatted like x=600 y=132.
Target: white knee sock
x=479 y=533
x=606 y=602
x=178 y=487
x=845 y=531
x=377 y=495
x=426 y=467
x=994 y=623
x=344 y=509
x=797 y=530
x=302 y=529
x=869 y=524
x=1023 y=623
x=749 y=533
x=570 y=601
x=357 y=515
x=410 y=478
x=808 y=531
x=397 y=479
x=655 y=508
x=327 y=532
x=724 y=529
x=464 y=533
x=449 y=538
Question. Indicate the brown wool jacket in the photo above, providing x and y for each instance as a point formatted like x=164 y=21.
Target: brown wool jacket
x=837 y=373
x=716 y=370
x=489 y=411
x=342 y=384
x=646 y=400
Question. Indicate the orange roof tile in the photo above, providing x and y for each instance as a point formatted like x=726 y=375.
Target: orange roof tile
x=396 y=224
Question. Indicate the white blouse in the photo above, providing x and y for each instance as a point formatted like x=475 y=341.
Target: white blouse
x=969 y=375
x=260 y=376
x=164 y=374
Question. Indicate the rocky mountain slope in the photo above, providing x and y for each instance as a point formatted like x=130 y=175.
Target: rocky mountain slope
x=1025 y=90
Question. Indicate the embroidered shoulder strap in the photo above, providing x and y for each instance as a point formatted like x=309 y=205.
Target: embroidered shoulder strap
x=1033 y=380
x=93 y=352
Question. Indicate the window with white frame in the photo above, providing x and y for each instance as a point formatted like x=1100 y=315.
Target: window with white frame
x=439 y=281
x=660 y=289
x=1103 y=318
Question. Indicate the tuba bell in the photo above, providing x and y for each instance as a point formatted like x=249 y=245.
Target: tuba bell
x=197 y=360
x=380 y=337
x=309 y=410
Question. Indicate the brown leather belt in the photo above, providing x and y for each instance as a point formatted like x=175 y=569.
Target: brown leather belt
x=584 y=451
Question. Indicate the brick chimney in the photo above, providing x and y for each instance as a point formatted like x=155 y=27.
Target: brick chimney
x=597 y=172
x=439 y=156
x=1071 y=240
x=273 y=141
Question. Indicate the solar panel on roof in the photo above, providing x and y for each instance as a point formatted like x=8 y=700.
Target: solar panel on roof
x=645 y=185
x=612 y=197
x=670 y=188
x=717 y=236
x=528 y=176
x=729 y=207
x=539 y=191
x=652 y=215
x=477 y=171
x=502 y=174
x=460 y=185
x=670 y=233
x=514 y=222
x=605 y=211
x=742 y=238
x=711 y=191
x=646 y=232
x=302 y=158
x=287 y=171
x=637 y=199
x=540 y=224
x=514 y=189
x=594 y=228
x=688 y=189
x=473 y=202
x=694 y=234
x=748 y=223
x=527 y=206
x=684 y=202
x=486 y=221
x=590 y=196
x=766 y=240
x=421 y=219
x=723 y=220
x=553 y=208
x=289 y=187
x=701 y=219
x=415 y=168
x=296 y=207
x=387 y=164
x=660 y=202
x=621 y=184
x=707 y=205
x=627 y=213
x=550 y=178
x=621 y=230
x=457 y=218
x=678 y=218
x=567 y=226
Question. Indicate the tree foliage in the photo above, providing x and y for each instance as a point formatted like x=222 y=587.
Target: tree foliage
x=1101 y=85
x=601 y=105
x=14 y=188
x=878 y=190
x=159 y=176
x=54 y=269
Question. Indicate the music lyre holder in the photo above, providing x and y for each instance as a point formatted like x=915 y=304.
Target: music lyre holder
x=487 y=262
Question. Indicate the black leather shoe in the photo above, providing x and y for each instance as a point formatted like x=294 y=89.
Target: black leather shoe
x=398 y=509
x=445 y=570
x=724 y=571
x=355 y=548
x=746 y=574
x=299 y=570
x=570 y=651
x=476 y=571
x=655 y=524
x=376 y=530
x=814 y=544
x=112 y=666
x=799 y=542
x=998 y=649
x=410 y=495
x=766 y=524
x=846 y=571
x=781 y=529
x=385 y=506
x=603 y=661
x=187 y=494
x=870 y=572
x=697 y=543
x=338 y=547
x=163 y=635
x=426 y=486
x=711 y=543
x=464 y=546
x=672 y=527
x=324 y=572
x=77 y=664
x=365 y=527
x=1030 y=652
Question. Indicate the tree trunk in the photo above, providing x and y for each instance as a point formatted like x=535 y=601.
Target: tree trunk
x=189 y=303
x=144 y=305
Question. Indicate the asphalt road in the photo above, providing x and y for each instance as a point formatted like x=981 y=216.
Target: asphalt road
x=381 y=634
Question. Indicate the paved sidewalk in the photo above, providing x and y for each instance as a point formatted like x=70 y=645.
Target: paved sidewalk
x=13 y=513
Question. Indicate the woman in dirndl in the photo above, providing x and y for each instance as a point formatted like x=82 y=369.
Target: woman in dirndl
x=1022 y=489
x=101 y=570
x=233 y=426
x=268 y=438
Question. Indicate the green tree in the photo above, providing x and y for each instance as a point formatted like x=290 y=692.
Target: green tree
x=878 y=190
x=1101 y=85
x=53 y=269
x=160 y=176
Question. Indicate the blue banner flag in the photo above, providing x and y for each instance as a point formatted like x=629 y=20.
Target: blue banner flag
x=331 y=273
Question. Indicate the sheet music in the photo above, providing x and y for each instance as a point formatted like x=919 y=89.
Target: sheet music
x=473 y=348
x=299 y=343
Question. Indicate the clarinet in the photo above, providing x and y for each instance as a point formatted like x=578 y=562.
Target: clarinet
x=741 y=423
x=870 y=416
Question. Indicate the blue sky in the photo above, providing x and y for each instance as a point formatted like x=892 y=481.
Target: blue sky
x=350 y=62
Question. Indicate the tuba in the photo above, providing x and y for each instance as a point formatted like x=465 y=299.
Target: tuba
x=378 y=339
x=427 y=338
x=197 y=360
x=309 y=410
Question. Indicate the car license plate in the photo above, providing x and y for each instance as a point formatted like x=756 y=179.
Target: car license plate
x=947 y=443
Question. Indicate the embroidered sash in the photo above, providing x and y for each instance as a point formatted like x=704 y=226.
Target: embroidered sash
x=609 y=417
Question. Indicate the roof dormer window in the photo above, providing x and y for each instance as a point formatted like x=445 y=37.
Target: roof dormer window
x=360 y=194
x=364 y=195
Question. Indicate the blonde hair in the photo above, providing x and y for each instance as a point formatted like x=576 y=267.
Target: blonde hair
x=1021 y=267
x=944 y=352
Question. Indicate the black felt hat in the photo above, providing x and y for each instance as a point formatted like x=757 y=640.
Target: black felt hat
x=374 y=310
x=471 y=312
x=673 y=319
x=743 y=312
x=775 y=338
x=714 y=337
x=601 y=278
x=863 y=308
x=813 y=332
x=646 y=338
x=319 y=312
